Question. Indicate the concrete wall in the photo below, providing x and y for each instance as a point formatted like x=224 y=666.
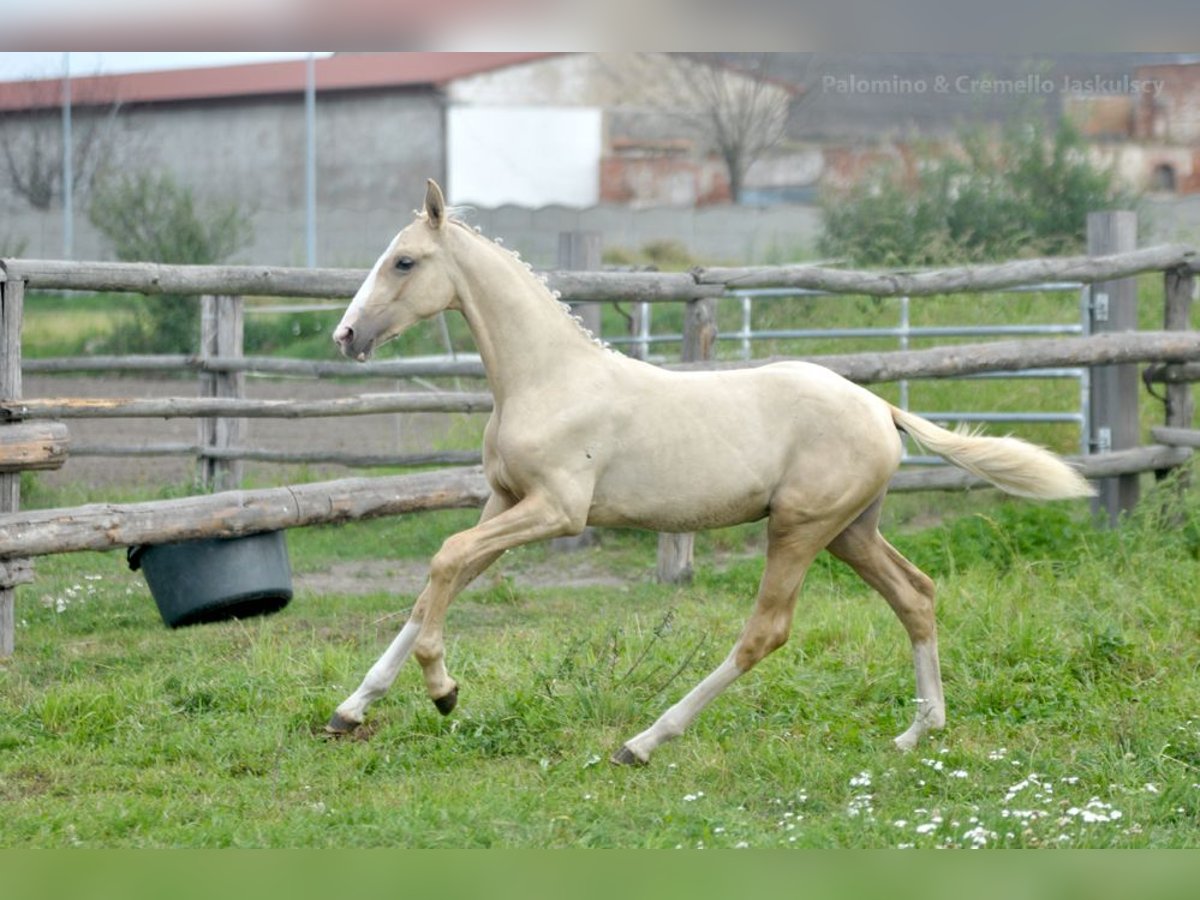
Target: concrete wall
x=374 y=152
x=714 y=235
x=348 y=237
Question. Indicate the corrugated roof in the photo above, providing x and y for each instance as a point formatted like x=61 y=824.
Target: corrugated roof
x=347 y=71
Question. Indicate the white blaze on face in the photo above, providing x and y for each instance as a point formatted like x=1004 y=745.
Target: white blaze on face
x=342 y=333
x=360 y=296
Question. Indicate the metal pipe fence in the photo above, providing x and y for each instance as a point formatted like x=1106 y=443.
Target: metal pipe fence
x=904 y=332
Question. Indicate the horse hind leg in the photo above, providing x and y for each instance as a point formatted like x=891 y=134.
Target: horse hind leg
x=910 y=593
x=788 y=558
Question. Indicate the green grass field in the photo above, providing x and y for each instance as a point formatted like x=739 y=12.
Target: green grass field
x=1070 y=660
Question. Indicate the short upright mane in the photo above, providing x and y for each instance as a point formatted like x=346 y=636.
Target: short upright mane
x=539 y=280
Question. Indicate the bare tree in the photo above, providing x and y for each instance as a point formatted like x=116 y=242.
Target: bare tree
x=31 y=141
x=731 y=104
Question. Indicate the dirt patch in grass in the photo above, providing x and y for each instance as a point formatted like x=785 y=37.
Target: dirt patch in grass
x=406 y=578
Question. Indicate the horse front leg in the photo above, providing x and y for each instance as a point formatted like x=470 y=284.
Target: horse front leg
x=463 y=556
x=351 y=712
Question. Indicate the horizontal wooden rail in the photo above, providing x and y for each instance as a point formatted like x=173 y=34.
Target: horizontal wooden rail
x=102 y=526
x=362 y=460
x=1176 y=437
x=268 y=281
x=161 y=278
x=262 y=365
x=33 y=446
x=958 y=280
x=230 y=407
x=994 y=356
x=1168 y=373
x=153 y=278
x=865 y=368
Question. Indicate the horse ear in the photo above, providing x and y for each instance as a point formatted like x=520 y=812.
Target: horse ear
x=435 y=204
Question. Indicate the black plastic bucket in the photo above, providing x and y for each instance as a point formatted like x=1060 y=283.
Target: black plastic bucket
x=215 y=579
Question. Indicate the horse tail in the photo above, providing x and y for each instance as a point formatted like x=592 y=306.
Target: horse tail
x=1009 y=463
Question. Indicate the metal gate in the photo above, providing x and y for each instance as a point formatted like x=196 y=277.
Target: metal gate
x=903 y=332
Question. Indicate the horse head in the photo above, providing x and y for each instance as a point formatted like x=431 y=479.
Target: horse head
x=410 y=282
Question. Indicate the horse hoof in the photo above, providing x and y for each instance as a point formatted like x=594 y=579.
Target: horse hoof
x=446 y=703
x=625 y=757
x=339 y=724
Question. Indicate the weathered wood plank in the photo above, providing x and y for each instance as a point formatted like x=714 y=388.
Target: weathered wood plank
x=221 y=334
x=233 y=513
x=437 y=458
x=938 y=362
x=1178 y=288
x=633 y=287
x=999 y=356
x=1171 y=373
x=12 y=301
x=650 y=287
x=159 y=278
x=33 y=445
x=865 y=368
x=396 y=368
x=278 y=281
x=1175 y=437
x=961 y=279
x=14 y=572
x=187 y=407
x=1113 y=388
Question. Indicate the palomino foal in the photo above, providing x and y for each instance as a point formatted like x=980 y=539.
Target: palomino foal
x=580 y=434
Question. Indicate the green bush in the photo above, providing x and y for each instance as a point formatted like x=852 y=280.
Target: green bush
x=149 y=217
x=1022 y=193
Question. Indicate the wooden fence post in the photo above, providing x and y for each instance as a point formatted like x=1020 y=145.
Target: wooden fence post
x=12 y=572
x=1114 y=389
x=675 y=551
x=221 y=333
x=1178 y=287
x=580 y=251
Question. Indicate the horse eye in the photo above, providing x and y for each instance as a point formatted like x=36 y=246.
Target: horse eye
x=405 y=263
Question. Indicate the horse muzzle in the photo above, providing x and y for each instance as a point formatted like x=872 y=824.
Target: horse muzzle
x=352 y=344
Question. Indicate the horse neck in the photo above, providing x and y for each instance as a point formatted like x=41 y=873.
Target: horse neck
x=525 y=337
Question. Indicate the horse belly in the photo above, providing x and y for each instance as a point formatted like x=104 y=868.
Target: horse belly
x=689 y=486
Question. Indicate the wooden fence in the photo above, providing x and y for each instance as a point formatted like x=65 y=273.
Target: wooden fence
x=1174 y=351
